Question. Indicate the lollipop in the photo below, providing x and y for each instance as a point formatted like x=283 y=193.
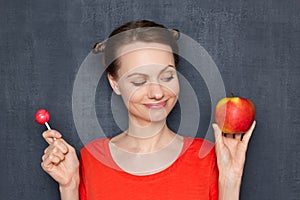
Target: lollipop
x=42 y=116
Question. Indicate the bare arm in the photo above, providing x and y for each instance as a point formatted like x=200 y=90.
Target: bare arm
x=229 y=188
x=231 y=156
x=71 y=191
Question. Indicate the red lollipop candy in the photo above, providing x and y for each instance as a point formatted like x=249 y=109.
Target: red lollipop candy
x=42 y=116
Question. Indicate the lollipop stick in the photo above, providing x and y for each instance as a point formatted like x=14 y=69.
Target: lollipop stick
x=47 y=125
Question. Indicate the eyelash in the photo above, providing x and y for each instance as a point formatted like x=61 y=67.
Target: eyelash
x=168 y=78
x=142 y=83
x=138 y=84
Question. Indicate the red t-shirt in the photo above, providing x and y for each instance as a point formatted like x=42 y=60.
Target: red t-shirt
x=188 y=178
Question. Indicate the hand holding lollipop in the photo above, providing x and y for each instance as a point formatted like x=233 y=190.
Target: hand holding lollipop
x=59 y=160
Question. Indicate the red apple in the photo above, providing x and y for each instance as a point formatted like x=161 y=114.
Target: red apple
x=234 y=114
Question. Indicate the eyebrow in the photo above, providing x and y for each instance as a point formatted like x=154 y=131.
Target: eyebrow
x=141 y=74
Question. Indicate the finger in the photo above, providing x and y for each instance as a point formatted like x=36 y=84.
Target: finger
x=47 y=149
x=44 y=157
x=70 y=149
x=231 y=136
x=50 y=134
x=61 y=145
x=242 y=136
x=238 y=136
x=57 y=146
x=248 y=134
x=58 y=153
x=50 y=161
x=218 y=134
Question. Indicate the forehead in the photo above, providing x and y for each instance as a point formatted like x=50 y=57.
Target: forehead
x=138 y=54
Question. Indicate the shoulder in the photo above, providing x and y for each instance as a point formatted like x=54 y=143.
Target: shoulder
x=97 y=148
x=97 y=153
x=198 y=142
x=198 y=156
x=200 y=147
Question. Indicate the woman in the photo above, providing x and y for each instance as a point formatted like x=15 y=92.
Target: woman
x=148 y=160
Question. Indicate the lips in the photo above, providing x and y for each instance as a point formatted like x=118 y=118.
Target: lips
x=156 y=105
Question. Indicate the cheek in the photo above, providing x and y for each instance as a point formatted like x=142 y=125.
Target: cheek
x=176 y=89
x=132 y=95
x=138 y=95
x=172 y=88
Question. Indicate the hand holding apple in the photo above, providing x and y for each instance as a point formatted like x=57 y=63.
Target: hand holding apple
x=234 y=115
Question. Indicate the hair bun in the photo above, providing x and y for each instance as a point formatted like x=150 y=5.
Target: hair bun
x=175 y=33
x=99 y=47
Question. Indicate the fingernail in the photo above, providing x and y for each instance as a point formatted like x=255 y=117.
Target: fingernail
x=58 y=135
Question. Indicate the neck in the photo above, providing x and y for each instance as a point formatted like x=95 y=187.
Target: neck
x=145 y=130
x=147 y=138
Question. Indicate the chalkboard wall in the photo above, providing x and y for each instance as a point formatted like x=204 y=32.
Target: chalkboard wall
x=255 y=45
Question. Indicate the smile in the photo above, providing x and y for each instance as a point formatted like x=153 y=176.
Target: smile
x=156 y=105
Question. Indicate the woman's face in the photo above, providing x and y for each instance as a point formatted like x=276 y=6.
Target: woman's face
x=147 y=81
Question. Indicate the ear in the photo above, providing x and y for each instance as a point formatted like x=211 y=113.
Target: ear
x=113 y=83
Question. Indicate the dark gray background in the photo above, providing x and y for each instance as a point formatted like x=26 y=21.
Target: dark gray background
x=255 y=45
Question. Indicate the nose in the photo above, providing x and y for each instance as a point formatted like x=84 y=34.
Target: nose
x=155 y=91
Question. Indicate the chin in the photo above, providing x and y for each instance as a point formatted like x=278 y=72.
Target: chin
x=158 y=118
x=150 y=116
x=157 y=115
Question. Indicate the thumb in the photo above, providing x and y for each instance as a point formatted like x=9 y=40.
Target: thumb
x=218 y=134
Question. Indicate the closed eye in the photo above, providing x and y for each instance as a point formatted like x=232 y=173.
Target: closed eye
x=138 y=83
x=167 y=79
x=167 y=76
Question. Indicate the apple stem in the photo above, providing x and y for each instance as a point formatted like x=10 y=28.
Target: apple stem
x=232 y=95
